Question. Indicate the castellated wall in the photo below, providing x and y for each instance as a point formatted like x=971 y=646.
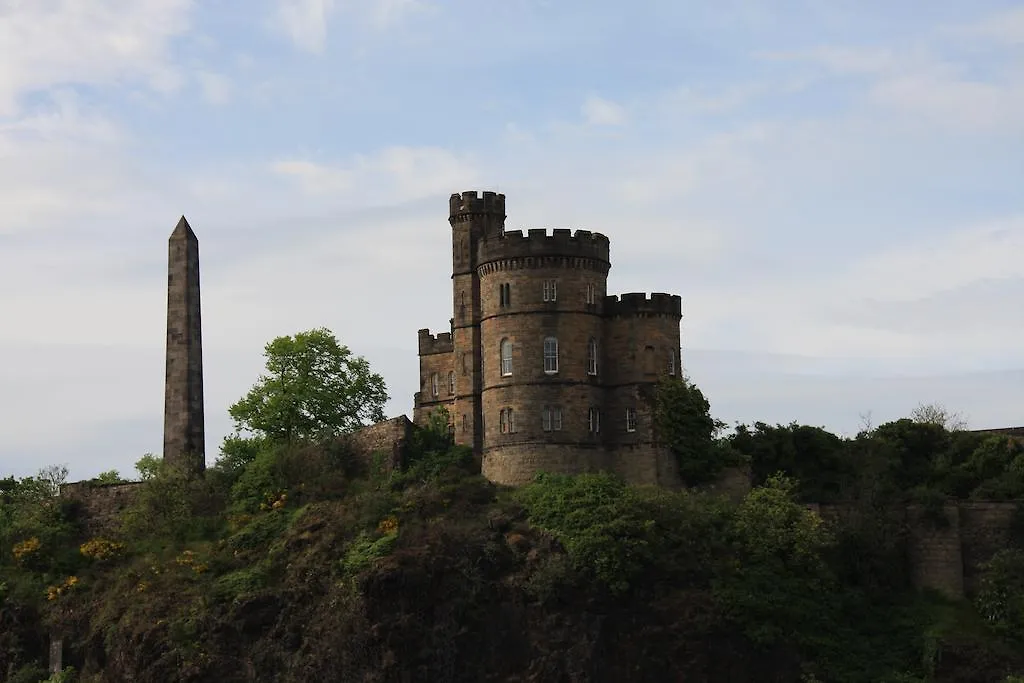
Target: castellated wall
x=437 y=357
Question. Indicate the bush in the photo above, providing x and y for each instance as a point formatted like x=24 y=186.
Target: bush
x=624 y=537
x=1000 y=597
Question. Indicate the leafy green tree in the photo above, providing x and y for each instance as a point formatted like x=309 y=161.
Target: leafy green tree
x=108 y=477
x=779 y=588
x=313 y=389
x=814 y=457
x=682 y=418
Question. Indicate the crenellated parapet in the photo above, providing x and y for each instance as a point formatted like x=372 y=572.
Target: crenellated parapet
x=464 y=206
x=539 y=244
x=639 y=304
x=430 y=344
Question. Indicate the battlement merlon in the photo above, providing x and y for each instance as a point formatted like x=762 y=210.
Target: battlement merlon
x=431 y=344
x=464 y=206
x=537 y=242
x=640 y=304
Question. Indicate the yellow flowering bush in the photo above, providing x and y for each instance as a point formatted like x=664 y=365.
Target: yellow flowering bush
x=54 y=592
x=101 y=549
x=388 y=525
x=187 y=558
x=274 y=501
x=26 y=549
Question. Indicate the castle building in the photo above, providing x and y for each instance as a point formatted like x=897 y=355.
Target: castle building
x=542 y=370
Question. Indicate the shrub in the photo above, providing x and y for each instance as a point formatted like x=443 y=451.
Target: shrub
x=100 y=549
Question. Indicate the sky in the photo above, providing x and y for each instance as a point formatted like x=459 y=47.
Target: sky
x=835 y=189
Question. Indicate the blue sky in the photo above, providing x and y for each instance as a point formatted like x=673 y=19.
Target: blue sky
x=835 y=189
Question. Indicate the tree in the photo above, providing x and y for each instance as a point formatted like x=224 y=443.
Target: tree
x=314 y=389
x=938 y=414
x=683 y=422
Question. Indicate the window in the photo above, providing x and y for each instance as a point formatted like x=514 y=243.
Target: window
x=550 y=355
x=551 y=419
x=649 y=361
x=672 y=363
x=505 y=294
x=505 y=421
x=591 y=293
x=433 y=385
x=465 y=423
x=630 y=419
x=592 y=356
x=594 y=420
x=451 y=383
x=506 y=357
x=550 y=290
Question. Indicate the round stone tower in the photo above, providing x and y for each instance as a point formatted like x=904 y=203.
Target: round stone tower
x=541 y=345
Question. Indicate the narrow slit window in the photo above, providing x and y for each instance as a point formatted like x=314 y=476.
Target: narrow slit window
x=434 y=385
x=592 y=356
x=594 y=420
x=630 y=419
x=451 y=383
x=550 y=355
x=506 y=358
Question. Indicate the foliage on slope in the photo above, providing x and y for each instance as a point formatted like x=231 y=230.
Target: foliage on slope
x=302 y=565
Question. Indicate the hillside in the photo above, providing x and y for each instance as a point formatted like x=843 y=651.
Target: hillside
x=306 y=564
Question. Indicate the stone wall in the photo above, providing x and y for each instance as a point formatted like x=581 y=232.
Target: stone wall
x=389 y=438
x=935 y=549
x=986 y=528
x=946 y=550
x=101 y=504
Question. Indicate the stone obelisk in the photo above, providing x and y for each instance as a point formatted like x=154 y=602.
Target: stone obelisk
x=184 y=434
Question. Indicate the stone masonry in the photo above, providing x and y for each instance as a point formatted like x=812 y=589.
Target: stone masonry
x=541 y=369
x=184 y=434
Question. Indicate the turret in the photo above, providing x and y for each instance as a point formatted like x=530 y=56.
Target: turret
x=484 y=212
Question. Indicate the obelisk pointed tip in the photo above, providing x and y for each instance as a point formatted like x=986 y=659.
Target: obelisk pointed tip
x=183 y=229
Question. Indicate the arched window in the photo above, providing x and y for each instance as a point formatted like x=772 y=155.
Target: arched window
x=451 y=383
x=506 y=357
x=433 y=385
x=592 y=356
x=550 y=355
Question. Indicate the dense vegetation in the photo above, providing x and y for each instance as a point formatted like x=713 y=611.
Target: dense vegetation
x=293 y=560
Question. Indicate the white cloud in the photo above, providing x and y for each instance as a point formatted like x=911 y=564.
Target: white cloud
x=1005 y=28
x=47 y=44
x=306 y=22
x=390 y=175
x=215 y=87
x=598 y=111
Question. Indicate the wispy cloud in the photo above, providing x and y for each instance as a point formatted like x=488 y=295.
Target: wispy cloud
x=836 y=214
x=601 y=112
x=47 y=44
